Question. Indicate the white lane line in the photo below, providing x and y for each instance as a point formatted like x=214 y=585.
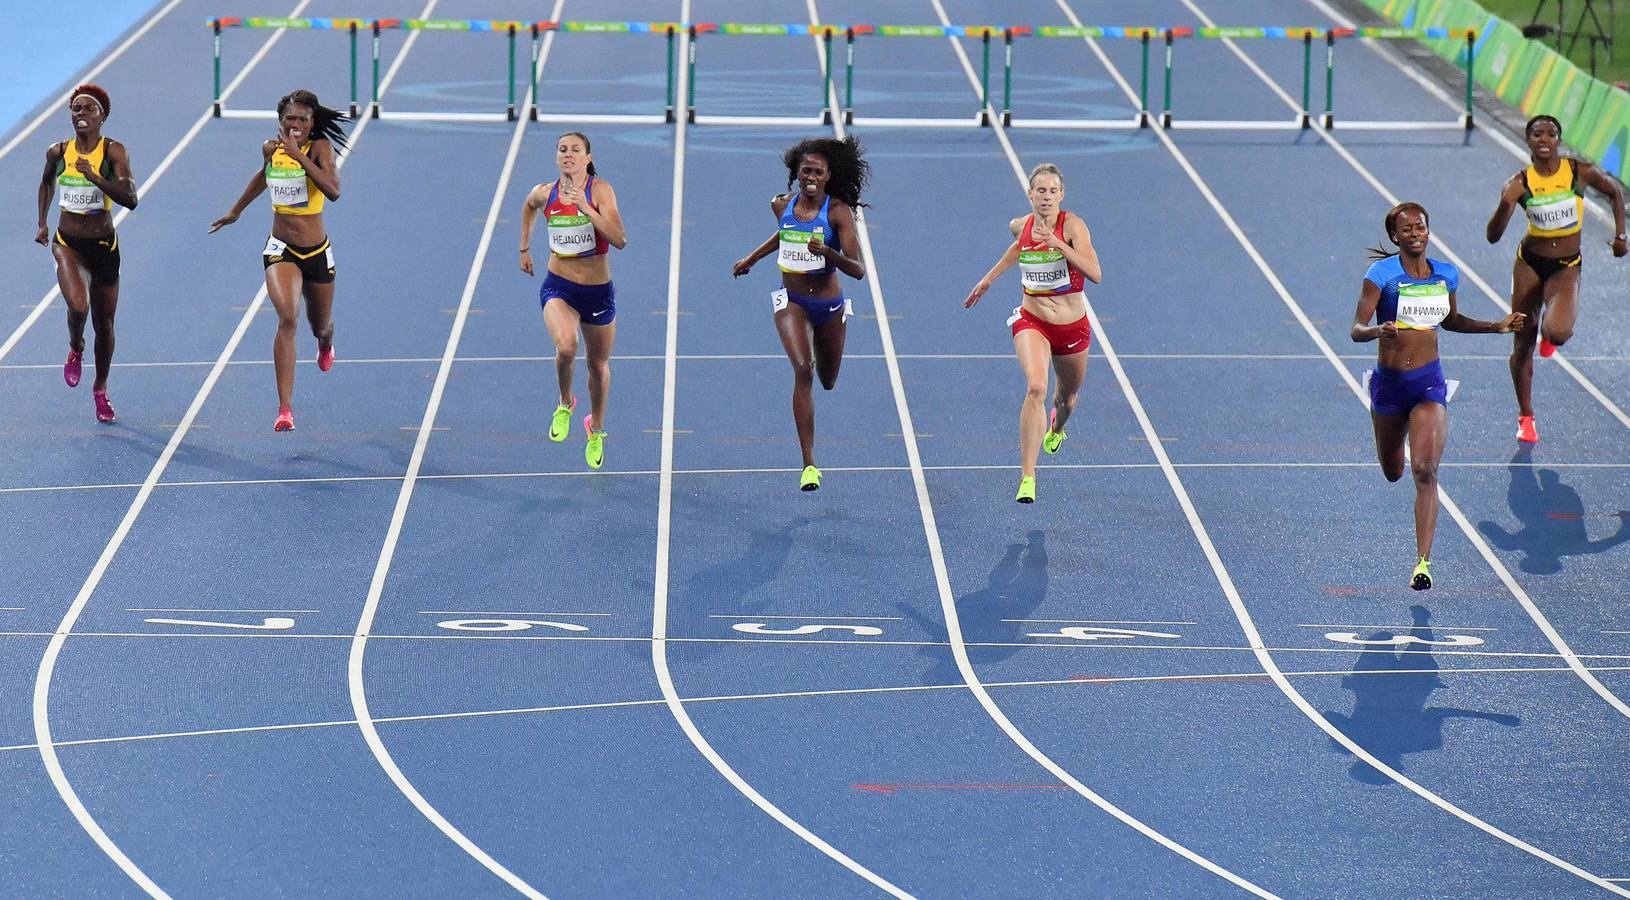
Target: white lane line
x=659 y=605
x=781 y=695
x=697 y=357
x=1391 y=56
x=41 y=709
x=774 y=470
x=488 y=612
x=39 y=309
x=1235 y=601
x=936 y=551
x=190 y=610
x=376 y=587
x=1434 y=628
x=1094 y=622
x=1062 y=644
x=1487 y=552
x=90 y=76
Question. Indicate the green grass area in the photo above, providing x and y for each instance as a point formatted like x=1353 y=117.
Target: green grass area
x=1521 y=12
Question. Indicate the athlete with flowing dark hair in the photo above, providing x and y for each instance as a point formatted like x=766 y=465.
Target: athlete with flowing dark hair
x=815 y=239
x=1545 y=276
x=301 y=170
x=88 y=174
x=1411 y=296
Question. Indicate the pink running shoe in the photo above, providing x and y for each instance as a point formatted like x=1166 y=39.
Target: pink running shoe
x=1546 y=348
x=285 y=419
x=104 y=409
x=71 y=368
x=1526 y=432
x=325 y=359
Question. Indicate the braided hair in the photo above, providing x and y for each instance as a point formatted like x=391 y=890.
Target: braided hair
x=1528 y=130
x=1391 y=224
x=849 y=171
x=325 y=122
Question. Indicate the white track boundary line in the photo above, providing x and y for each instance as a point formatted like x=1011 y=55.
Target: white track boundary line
x=169 y=159
x=785 y=695
x=1247 y=623
x=659 y=605
x=53 y=649
x=936 y=551
x=376 y=587
x=1472 y=534
x=88 y=76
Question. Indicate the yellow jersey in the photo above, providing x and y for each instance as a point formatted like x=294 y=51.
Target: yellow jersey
x=293 y=191
x=1554 y=204
x=76 y=193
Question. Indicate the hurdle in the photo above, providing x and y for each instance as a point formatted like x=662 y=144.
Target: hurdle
x=217 y=25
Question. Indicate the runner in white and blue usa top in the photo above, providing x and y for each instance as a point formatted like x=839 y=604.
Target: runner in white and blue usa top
x=816 y=237
x=1411 y=296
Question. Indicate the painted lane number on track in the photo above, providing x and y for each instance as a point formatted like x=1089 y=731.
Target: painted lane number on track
x=1403 y=640
x=763 y=628
x=507 y=625
x=271 y=623
x=1092 y=633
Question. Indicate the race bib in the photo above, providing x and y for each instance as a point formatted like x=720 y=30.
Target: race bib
x=778 y=300
x=571 y=235
x=76 y=194
x=1044 y=272
x=795 y=256
x=1422 y=306
x=274 y=248
x=1554 y=212
x=287 y=186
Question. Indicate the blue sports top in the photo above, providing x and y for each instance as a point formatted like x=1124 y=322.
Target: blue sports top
x=1413 y=303
x=793 y=255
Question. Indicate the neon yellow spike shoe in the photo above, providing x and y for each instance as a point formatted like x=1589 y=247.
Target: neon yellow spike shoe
x=561 y=424
x=594 y=452
x=1054 y=439
x=1027 y=489
x=810 y=480
x=1421 y=580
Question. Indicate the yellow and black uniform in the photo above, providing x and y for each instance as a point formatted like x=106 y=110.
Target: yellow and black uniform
x=1555 y=207
x=295 y=194
x=316 y=263
x=78 y=195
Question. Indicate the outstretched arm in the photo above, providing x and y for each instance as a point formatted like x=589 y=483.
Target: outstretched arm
x=1003 y=263
x=1607 y=184
x=1454 y=321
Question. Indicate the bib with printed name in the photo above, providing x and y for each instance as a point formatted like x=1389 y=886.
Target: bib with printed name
x=1044 y=271
x=76 y=193
x=793 y=254
x=1553 y=203
x=293 y=192
x=571 y=233
x=1422 y=306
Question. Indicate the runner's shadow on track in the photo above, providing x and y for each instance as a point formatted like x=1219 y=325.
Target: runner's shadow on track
x=1553 y=520
x=1016 y=587
x=1390 y=717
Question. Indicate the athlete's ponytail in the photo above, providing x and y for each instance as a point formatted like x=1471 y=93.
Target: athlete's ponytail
x=325 y=122
x=1390 y=224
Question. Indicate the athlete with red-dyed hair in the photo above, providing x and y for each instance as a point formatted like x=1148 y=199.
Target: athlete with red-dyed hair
x=88 y=174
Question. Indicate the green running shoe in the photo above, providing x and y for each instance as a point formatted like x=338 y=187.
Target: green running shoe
x=1027 y=489
x=1421 y=580
x=561 y=424
x=810 y=480
x=1053 y=439
x=594 y=452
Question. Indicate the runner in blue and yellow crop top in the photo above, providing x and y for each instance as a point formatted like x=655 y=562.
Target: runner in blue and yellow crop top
x=87 y=174
x=301 y=170
x=1410 y=297
x=814 y=240
x=1545 y=275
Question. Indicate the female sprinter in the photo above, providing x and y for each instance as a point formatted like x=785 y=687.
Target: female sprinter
x=1056 y=259
x=301 y=171
x=1410 y=296
x=89 y=174
x=580 y=212
x=1545 y=277
x=810 y=309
